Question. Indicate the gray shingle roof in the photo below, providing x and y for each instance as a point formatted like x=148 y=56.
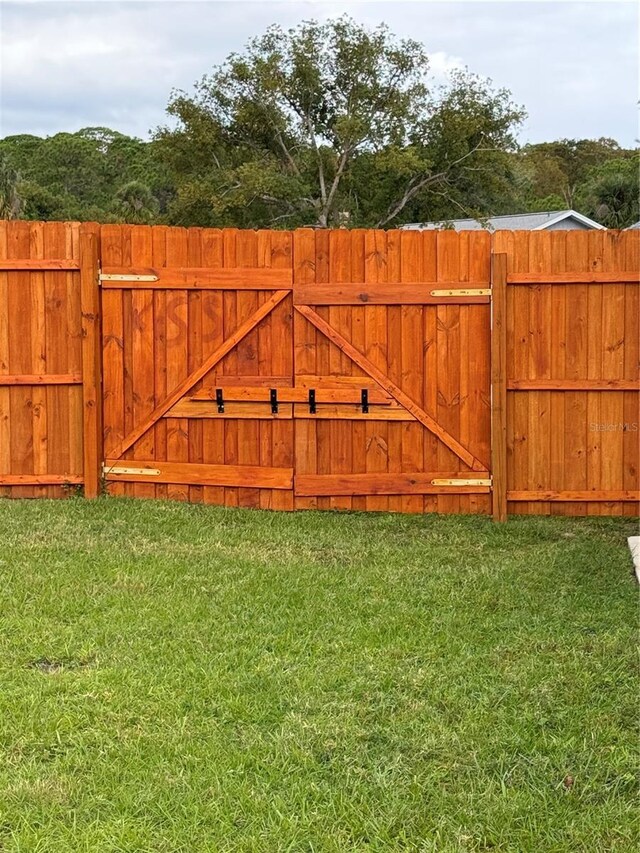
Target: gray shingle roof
x=511 y=222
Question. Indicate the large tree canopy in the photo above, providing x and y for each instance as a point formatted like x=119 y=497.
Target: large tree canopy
x=611 y=192
x=555 y=171
x=328 y=123
x=79 y=175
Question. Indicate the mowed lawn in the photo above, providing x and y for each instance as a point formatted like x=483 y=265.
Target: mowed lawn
x=185 y=678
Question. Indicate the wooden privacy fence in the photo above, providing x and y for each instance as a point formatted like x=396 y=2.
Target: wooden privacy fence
x=50 y=431
x=400 y=370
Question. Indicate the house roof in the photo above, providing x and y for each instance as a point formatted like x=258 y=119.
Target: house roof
x=512 y=222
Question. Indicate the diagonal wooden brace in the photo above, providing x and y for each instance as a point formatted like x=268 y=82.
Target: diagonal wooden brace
x=363 y=362
x=188 y=383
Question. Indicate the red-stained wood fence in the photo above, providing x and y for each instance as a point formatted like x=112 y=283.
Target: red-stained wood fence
x=400 y=370
x=572 y=371
x=50 y=399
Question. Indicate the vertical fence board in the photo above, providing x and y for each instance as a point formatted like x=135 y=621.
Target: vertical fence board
x=539 y=364
x=391 y=270
x=340 y=438
x=429 y=364
x=411 y=365
x=479 y=356
x=323 y=347
x=277 y=352
x=74 y=393
x=20 y=360
x=91 y=360
x=554 y=320
x=375 y=337
x=247 y=303
x=37 y=309
x=464 y=389
x=230 y=363
x=212 y=337
x=5 y=392
x=448 y=346
x=594 y=370
x=141 y=378
x=128 y=300
x=363 y=265
x=613 y=338
x=305 y=354
x=195 y=354
x=499 y=385
x=160 y=390
x=177 y=357
x=266 y=354
x=576 y=427
x=631 y=399
x=112 y=350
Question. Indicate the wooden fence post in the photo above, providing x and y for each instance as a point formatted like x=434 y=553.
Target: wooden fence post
x=499 y=385
x=91 y=358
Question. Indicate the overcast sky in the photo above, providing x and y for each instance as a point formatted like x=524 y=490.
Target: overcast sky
x=67 y=65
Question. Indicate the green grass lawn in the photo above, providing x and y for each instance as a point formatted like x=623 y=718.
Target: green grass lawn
x=184 y=678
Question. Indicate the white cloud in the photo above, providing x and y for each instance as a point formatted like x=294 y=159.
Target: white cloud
x=441 y=64
x=65 y=65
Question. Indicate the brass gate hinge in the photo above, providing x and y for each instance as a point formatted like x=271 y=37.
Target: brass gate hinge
x=461 y=482
x=123 y=277
x=480 y=291
x=117 y=469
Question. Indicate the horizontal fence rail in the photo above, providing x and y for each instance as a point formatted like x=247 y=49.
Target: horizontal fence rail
x=400 y=370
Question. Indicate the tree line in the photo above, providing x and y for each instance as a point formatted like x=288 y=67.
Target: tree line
x=327 y=124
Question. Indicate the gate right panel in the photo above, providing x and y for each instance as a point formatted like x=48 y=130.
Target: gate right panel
x=403 y=316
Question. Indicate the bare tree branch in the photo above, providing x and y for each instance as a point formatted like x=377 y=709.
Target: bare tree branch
x=326 y=210
x=316 y=150
x=414 y=186
x=287 y=154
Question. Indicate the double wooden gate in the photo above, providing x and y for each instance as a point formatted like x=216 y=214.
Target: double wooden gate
x=344 y=369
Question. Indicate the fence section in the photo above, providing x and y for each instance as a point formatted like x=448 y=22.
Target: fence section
x=49 y=359
x=573 y=332
x=372 y=370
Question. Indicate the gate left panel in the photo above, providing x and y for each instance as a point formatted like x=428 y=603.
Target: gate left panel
x=41 y=395
x=196 y=333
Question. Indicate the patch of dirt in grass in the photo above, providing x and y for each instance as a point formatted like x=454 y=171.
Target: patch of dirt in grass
x=41 y=790
x=51 y=666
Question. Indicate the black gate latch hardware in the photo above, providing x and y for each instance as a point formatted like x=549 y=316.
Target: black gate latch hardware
x=220 y=400
x=364 y=400
x=273 y=397
x=312 y=401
